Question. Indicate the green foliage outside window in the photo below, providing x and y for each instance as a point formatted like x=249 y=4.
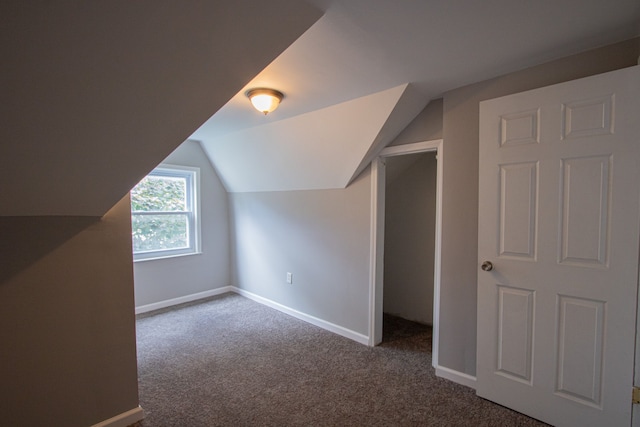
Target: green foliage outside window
x=156 y=228
x=159 y=193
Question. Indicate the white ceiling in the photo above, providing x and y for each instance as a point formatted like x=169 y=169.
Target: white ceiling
x=362 y=47
x=304 y=152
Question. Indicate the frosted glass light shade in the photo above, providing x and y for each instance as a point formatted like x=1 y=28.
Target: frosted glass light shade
x=265 y=100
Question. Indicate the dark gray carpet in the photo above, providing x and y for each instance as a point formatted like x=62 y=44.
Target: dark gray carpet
x=230 y=361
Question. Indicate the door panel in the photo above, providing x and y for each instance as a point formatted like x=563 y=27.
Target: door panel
x=558 y=217
x=518 y=195
x=585 y=225
x=580 y=349
x=587 y=118
x=515 y=333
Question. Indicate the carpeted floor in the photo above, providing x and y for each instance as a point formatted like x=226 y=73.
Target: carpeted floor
x=230 y=361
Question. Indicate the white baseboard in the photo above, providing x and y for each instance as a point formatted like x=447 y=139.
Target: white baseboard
x=441 y=371
x=123 y=420
x=456 y=376
x=183 y=299
x=358 y=337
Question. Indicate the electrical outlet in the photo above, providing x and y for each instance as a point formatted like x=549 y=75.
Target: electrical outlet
x=290 y=278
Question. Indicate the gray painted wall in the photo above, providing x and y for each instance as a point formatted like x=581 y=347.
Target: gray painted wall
x=409 y=246
x=66 y=283
x=66 y=291
x=67 y=324
x=426 y=126
x=163 y=279
x=321 y=236
x=95 y=95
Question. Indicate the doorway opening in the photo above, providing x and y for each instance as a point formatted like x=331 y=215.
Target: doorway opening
x=397 y=284
x=409 y=244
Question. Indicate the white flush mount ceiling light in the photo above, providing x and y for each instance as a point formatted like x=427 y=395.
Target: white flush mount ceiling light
x=265 y=100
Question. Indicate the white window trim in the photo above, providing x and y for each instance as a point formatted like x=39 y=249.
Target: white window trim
x=195 y=231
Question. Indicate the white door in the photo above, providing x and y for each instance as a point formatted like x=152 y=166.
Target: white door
x=558 y=219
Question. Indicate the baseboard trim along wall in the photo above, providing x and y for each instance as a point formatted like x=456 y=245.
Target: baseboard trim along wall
x=441 y=371
x=363 y=339
x=183 y=299
x=123 y=420
x=347 y=333
x=456 y=376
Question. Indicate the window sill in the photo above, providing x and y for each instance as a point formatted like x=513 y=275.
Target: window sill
x=157 y=258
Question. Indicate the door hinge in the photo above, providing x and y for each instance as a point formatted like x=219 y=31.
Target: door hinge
x=635 y=395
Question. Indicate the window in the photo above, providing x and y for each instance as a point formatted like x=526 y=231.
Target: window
x=164 y=218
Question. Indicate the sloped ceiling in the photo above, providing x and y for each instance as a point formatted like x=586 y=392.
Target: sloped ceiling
x=361 y=48
x=317 y=150
x=95 y=94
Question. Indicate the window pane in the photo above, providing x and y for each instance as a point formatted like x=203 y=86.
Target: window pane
x=160 y=193
x=159 y=232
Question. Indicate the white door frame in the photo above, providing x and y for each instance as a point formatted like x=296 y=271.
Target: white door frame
x=376 y=276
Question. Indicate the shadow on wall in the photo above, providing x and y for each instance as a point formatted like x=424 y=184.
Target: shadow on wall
x=25 y=240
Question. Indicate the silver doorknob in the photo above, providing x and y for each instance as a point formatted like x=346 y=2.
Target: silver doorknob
x=486 y=266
